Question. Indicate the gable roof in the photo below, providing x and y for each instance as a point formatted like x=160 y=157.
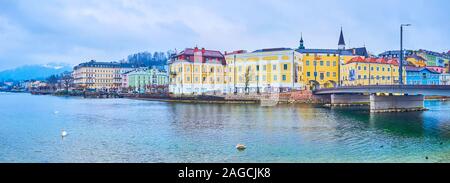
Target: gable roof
x=207 y=53
x=325 y=51
x=373 y=60
x=362 y=51
x=271 y=49
x=420 y=69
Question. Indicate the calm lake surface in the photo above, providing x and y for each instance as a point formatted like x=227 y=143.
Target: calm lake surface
x=124 y=130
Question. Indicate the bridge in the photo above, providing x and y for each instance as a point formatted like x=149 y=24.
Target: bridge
x=384 y=98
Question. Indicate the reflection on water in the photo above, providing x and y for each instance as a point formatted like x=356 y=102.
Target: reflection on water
x=122 y=130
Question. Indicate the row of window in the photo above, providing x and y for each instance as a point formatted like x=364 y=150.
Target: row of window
x=308 y=74
x=378 y=68
x=321 y=63
x=102 y=75
x=371 y=77
x=241 y=78
x=264 y=68
x=102 y=71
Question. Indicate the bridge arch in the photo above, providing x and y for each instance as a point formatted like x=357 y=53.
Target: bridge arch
x=330 y=84
x=313 y=84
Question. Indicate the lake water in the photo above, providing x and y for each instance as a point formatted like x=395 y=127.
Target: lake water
x=124 y=130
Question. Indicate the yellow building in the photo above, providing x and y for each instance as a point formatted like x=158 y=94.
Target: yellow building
x=99 y=75
x=197 y=71
x=321 y=66
x=371 y=71
x=416 y=60
x=265 y=70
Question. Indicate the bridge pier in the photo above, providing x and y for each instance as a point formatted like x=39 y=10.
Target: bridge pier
x=349 y=99
x=399 y=103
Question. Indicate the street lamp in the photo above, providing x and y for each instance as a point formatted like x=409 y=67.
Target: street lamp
x=400 y=70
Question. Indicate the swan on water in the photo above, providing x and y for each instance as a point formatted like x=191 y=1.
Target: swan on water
x=63 y=133
x=240 y=147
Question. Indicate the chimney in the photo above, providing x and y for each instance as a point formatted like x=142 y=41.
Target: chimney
x=203 y=50
x=196 y=49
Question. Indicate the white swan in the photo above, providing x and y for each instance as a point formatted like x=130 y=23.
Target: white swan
x=63 y=133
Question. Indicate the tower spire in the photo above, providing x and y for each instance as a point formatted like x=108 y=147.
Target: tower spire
x=301 y=42
x=341 y=43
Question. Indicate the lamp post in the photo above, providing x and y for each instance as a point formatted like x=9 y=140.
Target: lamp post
x=400 y=69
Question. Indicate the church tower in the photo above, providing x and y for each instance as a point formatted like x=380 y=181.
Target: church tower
x=301 y=47
x=341 y=44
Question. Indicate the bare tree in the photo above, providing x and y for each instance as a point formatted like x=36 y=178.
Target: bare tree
x=247 y=79
x=67 y=80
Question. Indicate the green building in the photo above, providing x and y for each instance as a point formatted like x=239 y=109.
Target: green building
x=148 y=80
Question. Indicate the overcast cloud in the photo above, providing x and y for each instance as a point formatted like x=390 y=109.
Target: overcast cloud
x=74 y=31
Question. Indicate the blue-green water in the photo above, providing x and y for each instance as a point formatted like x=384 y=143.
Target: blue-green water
x=123 y=130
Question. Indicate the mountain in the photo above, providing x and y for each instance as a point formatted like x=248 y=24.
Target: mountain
x=38 y=72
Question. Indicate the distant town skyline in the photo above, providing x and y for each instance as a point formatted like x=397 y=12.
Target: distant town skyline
x=39 y=32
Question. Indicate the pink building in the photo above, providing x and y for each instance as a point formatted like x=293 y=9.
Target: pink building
x=437 y=69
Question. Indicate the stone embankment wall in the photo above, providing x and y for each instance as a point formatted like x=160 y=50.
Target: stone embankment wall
x=304 y=96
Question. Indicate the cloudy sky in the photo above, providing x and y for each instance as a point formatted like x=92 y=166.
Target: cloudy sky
x=73 y=31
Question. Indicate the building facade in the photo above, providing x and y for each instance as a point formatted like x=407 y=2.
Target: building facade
x=197 y=71
x=371 y=71
x=267 y=70
x=422 y=76
x=321 y=66
x=147 y=80
x=444 y=79
x=105 y=76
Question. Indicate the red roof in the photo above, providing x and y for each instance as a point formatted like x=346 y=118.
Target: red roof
x=392 y=61
x=211 y=54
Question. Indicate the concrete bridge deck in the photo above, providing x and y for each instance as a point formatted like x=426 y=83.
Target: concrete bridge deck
x=427 y=90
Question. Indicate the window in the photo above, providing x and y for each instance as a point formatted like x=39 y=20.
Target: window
x=328 y=63
x=378 y=68
x=382 y=77
x=308 y=74
x=334 y=63
x=315 y=63
x=382 y=69
x=240 y=68
x=389 y=69
x=365 y=68
x=378 y=77
x=188 y=78
x=274 y=67
x=284 y=77
x=334 y=74
x=307 y=63
x=359 y=76
x=264 y=67
x=275 y=77
x=264 y=78
x=321 y=63
x=359 y=67
x=328 y=74
x=321 y=76
x=365 y=76
x=257 y=68
x=285 y=66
